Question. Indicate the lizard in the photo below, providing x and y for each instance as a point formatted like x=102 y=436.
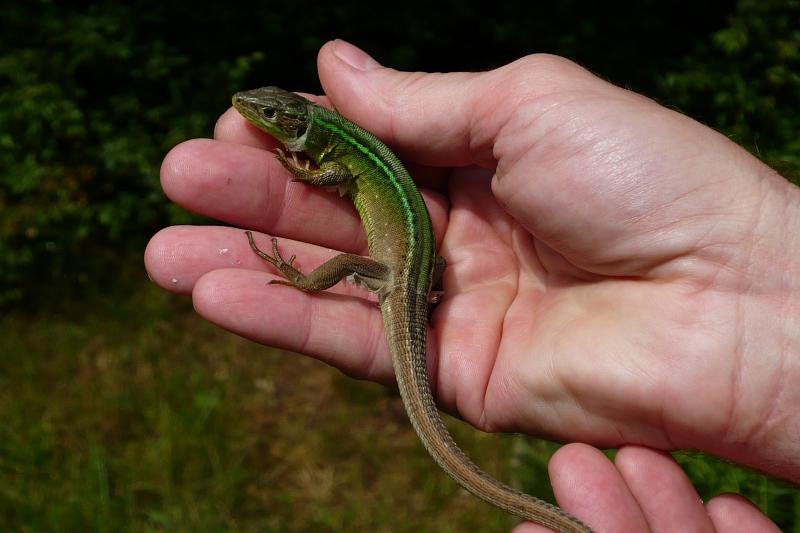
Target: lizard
x=402 y=266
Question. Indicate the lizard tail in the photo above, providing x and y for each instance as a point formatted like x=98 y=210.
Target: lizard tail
x=407 y=344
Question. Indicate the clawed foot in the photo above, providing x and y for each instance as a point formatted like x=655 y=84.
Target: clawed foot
x=275 y=259
x=294 y=165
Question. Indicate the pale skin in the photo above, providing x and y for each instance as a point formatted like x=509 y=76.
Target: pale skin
x=618 y=274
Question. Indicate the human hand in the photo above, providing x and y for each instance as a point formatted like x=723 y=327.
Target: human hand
x=617 y=273
x=642 y=490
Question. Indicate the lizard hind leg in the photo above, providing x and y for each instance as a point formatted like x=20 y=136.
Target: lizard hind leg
x=373 y=274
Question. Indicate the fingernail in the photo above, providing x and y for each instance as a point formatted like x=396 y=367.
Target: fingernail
x=354 y=56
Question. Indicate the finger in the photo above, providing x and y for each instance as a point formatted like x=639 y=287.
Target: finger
x=229 y=284
x=442 y=119
x=341 y=325
x=342 y=331
x=588 y=486
x=231 y=127
x=247 y=187
x=176 y=257
x=732 y=512
x=664 y=492
x=407 y=110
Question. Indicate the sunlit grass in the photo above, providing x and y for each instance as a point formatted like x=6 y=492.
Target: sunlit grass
x=133 y=414
x=130 y=413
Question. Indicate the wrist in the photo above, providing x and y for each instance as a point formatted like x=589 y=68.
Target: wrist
x=768 y=391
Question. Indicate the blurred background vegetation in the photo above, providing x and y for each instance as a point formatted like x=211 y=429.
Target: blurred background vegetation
x=121 y=410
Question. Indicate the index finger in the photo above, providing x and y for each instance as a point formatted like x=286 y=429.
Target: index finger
x=246 y=186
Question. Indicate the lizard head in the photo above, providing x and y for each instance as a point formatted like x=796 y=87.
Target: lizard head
x=282 y=114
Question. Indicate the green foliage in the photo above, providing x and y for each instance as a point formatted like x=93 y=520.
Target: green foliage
x=87 y=111
x=712 y=476
x=745 y=81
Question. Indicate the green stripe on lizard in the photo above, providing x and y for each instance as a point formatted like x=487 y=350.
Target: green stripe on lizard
x=402 y=197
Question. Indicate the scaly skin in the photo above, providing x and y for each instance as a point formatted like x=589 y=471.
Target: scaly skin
x=401 y=269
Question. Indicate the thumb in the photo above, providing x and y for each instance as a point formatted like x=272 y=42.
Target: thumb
x=442 y=119
x=429 y=117
x=585 y=166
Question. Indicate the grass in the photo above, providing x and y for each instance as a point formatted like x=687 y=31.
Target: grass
x=130 y=413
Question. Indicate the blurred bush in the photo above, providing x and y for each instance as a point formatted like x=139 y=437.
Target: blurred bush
x=745 y=81
x=91 y=101
x=94 y=95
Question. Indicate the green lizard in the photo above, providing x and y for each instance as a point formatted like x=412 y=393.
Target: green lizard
x=402 y=268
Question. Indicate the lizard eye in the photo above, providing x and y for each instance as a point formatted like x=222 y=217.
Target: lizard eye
x=269 y=112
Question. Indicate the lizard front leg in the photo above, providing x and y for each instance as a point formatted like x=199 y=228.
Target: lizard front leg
x=328 y=173
x=374 y=275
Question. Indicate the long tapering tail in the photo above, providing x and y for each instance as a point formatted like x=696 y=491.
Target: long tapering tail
x=406 y=339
